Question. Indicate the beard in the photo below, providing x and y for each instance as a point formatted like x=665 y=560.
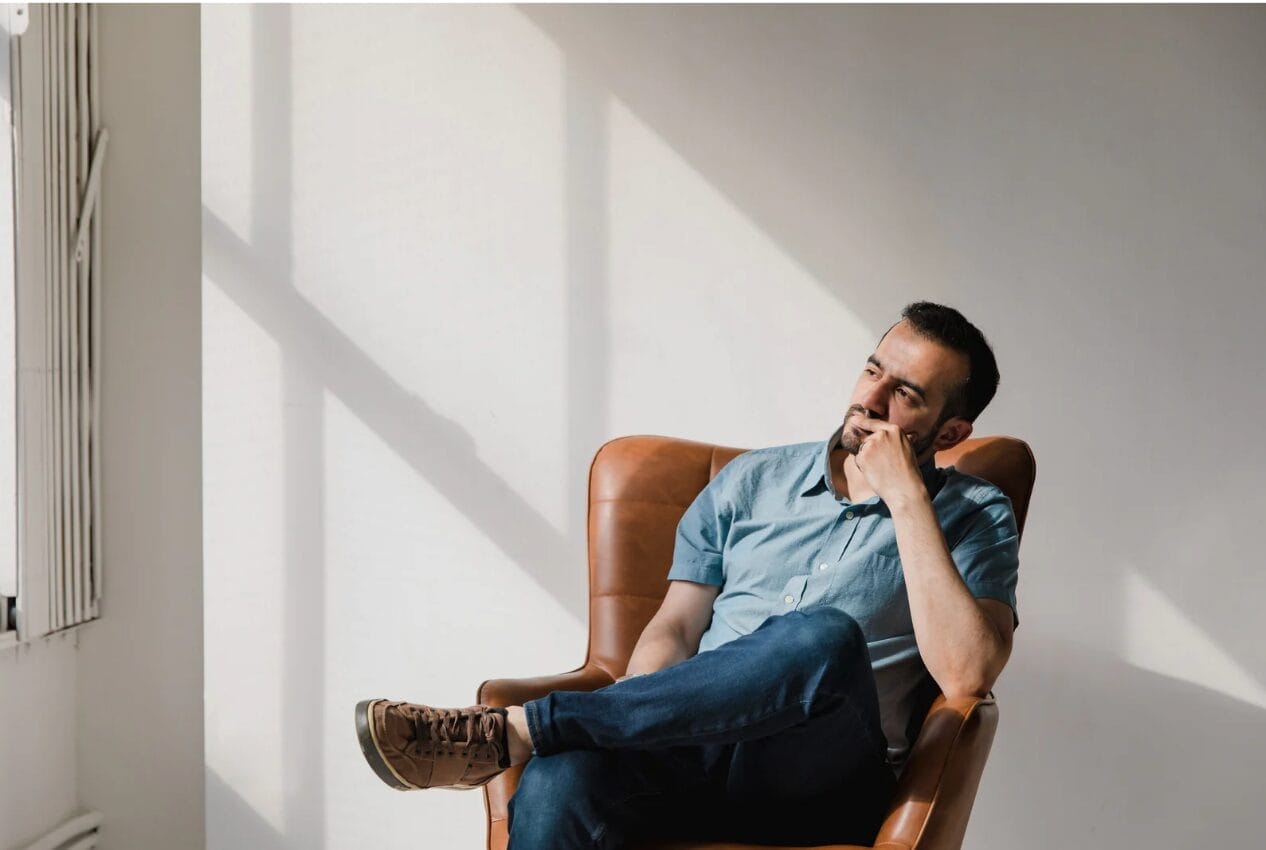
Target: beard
x=851 y=438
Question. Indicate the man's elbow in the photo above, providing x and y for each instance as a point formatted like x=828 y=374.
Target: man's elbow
x=976 y=683
x=967 y=690
x=976 y=675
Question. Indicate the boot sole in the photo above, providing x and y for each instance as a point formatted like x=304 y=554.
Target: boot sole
x=369 y=748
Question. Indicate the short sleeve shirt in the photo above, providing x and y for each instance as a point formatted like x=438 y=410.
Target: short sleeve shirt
x=770 y=531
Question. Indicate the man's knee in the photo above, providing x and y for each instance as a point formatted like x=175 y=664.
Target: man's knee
x=821 y=646
x=824 y=628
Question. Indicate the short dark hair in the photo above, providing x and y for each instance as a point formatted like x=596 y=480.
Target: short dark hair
x=947 y=326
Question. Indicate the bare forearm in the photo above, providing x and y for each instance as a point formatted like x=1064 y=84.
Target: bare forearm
x=959 y=644
x=677 y=628
x=658 y=647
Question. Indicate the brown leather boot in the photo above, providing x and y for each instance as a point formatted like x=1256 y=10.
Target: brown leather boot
x=414 y=746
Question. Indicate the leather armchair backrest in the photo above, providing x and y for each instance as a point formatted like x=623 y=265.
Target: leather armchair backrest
x=639 y=488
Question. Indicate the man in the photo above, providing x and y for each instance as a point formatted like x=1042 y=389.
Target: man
x=817 y=590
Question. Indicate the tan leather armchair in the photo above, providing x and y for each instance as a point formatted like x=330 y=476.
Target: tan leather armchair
x=639 y=487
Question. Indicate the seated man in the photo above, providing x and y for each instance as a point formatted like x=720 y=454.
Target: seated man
x=774 y=695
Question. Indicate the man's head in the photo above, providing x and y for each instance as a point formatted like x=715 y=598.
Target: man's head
x=932 y=374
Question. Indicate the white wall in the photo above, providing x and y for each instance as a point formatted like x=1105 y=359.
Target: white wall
x=140 y=725
x=450 y=251
x=37 y=747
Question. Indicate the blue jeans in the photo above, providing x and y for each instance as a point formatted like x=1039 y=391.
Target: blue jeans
x=772 y=738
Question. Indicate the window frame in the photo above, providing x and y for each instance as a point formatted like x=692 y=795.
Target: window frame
x=32 y=315
x=12 y=20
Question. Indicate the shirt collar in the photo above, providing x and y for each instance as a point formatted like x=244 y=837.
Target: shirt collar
x=821 y=482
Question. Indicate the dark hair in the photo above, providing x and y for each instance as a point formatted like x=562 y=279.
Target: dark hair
x=947 y=326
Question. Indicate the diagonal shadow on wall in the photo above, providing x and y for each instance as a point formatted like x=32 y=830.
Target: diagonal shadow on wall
x=436 y=447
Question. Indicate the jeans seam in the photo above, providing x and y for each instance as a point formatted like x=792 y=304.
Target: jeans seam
x=691 y=739
x=535 y=731
x=804 y=704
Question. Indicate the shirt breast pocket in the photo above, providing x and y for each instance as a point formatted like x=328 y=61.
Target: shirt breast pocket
x=877 y=596
x=887 y=552
x=875 y=540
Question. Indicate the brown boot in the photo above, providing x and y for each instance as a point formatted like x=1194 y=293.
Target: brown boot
x=414 y=746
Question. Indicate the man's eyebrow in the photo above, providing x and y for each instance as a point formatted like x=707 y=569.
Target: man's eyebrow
x=911 y=384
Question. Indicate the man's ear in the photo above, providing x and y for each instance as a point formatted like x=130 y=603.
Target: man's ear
x=954 y=431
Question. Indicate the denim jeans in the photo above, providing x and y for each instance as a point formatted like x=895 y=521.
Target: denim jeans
x=773 y=738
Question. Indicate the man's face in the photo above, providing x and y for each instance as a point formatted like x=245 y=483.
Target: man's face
x=906 y=382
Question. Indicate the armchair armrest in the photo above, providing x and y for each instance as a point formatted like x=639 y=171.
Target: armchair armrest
x=729 y=845
x=506 y=692
x=938 y=786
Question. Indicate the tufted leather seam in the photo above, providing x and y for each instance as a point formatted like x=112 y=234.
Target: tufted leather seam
x=681 y=505
x=630 y=595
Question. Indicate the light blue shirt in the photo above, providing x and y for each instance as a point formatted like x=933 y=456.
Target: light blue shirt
x=772 y=533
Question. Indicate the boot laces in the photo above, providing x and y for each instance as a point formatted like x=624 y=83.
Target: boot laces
x=458 y=726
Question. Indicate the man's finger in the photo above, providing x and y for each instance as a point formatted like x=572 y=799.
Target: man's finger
x=873 y=425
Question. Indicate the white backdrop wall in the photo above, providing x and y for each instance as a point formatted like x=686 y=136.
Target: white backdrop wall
x=448 y=252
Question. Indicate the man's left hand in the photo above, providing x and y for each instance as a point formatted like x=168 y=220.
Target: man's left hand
x=886 y=458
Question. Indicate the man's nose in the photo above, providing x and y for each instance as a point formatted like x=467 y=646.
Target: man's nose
x=874 y=405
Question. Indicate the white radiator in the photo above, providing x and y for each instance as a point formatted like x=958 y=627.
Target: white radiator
x=78 y=833
x=74 y=148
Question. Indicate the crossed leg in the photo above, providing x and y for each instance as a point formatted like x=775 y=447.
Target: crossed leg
x=774 y=735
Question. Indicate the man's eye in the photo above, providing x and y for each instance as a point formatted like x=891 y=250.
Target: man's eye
x=902 y=392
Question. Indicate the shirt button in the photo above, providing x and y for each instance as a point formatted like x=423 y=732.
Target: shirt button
x=848 y=515
x=788 y=599
x=822 y=566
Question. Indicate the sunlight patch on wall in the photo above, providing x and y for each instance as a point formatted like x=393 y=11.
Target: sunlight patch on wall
x=1159 y=637
x=243 y=555
x=427 y=221
x=227 y=186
